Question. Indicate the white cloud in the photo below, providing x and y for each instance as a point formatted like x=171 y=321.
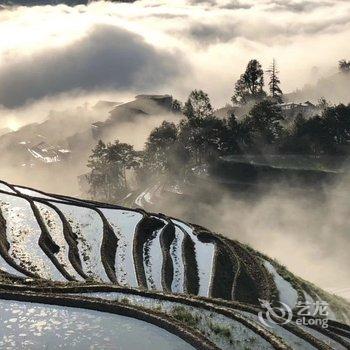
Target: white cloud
x=216 y=37
x=107 y=57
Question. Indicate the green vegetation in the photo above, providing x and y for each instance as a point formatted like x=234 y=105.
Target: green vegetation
x=337 y=304
x=108 y=164
x=201 y=137
x=249 y=87
x=181 y=314
x=125 y=301
x=158 y=308
x=220 y=330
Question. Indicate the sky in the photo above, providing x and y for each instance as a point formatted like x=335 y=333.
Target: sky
x=157 y=46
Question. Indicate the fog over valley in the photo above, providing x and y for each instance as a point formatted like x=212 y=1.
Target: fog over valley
x=73 y=73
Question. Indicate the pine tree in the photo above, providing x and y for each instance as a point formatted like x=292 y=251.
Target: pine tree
x=274 y=83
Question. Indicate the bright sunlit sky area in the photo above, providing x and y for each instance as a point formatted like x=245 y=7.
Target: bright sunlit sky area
x=166 y=46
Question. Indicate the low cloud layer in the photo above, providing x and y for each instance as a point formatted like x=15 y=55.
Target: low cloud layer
x=304 y=230
x=106 y=58
x=142 y=46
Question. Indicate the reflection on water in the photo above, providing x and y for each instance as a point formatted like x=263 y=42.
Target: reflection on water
x=36 y=326
x=204 y=256
x=124 y=223
x=177 y=285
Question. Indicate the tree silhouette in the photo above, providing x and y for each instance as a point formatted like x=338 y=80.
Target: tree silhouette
x=160 y=148
x=274 y=82
x=327 y=133
x=201 y=138
x=250 y=84
x=176 y=106
x=198 y=106
x=238 y=135
x=254 y=77
x=241 y=95
x=108 y=164
x=264 y=122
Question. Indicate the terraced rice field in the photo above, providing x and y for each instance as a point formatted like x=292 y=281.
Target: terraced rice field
x=173 y=283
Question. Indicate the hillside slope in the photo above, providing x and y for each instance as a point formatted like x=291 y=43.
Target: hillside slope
x=59 y=250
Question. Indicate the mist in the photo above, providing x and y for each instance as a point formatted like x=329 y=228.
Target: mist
x=334 y=88
x=136 y=133
x=305 y=230
x=113 y=51
x=66 y=122
x=168 y=47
